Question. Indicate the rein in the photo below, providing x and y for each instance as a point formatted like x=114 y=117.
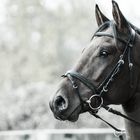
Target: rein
x=99 y=91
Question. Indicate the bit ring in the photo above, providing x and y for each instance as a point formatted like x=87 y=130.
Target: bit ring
x=95 y=97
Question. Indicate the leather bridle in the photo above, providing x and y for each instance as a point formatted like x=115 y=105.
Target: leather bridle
x=99 y=91
x=103 y=87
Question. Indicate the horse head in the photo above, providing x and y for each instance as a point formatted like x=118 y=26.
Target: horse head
x=102 y=75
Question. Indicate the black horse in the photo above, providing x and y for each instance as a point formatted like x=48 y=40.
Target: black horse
x=108 y=72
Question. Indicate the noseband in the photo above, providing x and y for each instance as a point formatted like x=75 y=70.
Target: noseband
x=103 y=88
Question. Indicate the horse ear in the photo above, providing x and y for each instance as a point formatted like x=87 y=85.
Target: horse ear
x=100 y=17
x=119 y=18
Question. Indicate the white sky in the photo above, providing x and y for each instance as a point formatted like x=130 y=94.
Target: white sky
x=130 y=8
x=53 y=4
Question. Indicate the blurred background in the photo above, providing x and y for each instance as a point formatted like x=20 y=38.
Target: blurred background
x=39 y=41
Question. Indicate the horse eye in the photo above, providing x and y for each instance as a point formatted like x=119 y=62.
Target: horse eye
x=104 y=53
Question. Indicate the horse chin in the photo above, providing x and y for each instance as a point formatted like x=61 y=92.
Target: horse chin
x=75 y=115
x=73 y=118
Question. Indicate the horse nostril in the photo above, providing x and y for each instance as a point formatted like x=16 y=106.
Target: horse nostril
x=60 y=103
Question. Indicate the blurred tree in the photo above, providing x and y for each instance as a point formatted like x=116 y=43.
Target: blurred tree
x=38 y=43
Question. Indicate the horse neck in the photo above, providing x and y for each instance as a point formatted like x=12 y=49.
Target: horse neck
x=132 y=107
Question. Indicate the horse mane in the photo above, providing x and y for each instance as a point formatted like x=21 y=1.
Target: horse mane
x=137 y=30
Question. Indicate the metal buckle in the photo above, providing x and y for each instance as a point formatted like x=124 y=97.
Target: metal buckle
x=105 y=89
x=121 y=61
x=95 y=97
x=130 y=66
x=75 y=86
